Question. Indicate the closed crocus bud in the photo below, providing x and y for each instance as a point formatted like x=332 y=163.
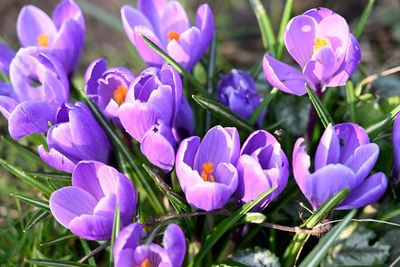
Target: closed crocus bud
x=166 y=23
x=344 y=158
x=107 y=87
x=128 y=251
x=238 y=92
x=206 y=169
x=395 y=175
x=261 y=166
x=321 y=43
x=63 y=34
x=87 y=207
x=76 y=136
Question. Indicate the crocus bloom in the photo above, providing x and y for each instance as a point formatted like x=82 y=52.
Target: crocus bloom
x=76 y=136
x=129 y=252
x=168 y=26
x=396 y=151
x=38 y=87
x=63 y=34
x=261 y=166
x=206 y=170
x=107 y=87
x=321 y=43
x=87 y=207
x=238 y=92
x=344 y=158
x=6 y=55
x=149 y=111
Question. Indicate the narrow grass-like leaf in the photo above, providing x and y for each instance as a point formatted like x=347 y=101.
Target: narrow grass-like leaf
x=60 y=263
x=299 y=239
x=319 y=251
x=51 y=176
x=319 y=107
x=256 y=114
x=87 y=250
x=116 y=229
x=351 y=101
x=363 y=19
x=375 y=129
x=256 y=69
x=284 y=21
x=223 y=113
x=37 y=217
x=197 y=86
x=61 y=238
x=211 y=74
x=224 y=226
x=25 y=177
x=38 y=203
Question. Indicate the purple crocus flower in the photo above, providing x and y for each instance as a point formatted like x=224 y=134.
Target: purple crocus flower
x=76 y=136
x=238 y=92
x=149 y=111
x=167 y=25
x=321 y=43
x=129 y=252
x=38 y=87
x=63 y=34
x=6 y=55
x=206 y=170
x=87 y=207
x=395 y=175
x=344 y=158
x=261 y=166
x=107 y=87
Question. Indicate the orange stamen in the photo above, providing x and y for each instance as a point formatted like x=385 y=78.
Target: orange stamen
x=207 y=170
x=173 y=35
x=43 y=40
x=120 y=94
x=145 y=263
x=319 y=42
x=41 y=99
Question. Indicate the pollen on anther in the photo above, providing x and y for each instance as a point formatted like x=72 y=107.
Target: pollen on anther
x=120 y=94
x=43 y=40
x=173 y=35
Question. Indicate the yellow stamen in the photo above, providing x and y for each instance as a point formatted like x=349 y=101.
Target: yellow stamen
x=43 y=40
x=120 y=94
x=41 y=99
x=319 y=42
x=145 y=263
x=173 y=35
x=207 y=170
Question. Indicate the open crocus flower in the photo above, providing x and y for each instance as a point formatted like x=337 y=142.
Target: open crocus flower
x=149 y=112
x=167 y=25
x=261 y=166
x=321 y=43
x=129 y=252
x=344 y=158
x=395 y=175
x=63 y=34
x=38 y=87
x=206 y=170
x=87 y=207
x=107 y=87
x=76 y=136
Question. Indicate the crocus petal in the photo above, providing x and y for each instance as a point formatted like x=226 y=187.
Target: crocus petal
x=256 y=140
x=31 y=117
x=131 y=18
x=396 y=150
x=106 y=206
x=328 y=150
x=85 y=176
x=319 y=13
x=57 y=160
x=186 y=50
x=6 y=55
x=155 y=253
x=350 y=136
x=283 y=76
x=369 y=191
x=70 y=202
x=153 y=10
x=174 y=244
x=174 y=18
x=185 y=159
x=93 y=73
x=147 y=53
x=7 y=105
x=301 y=164
x=161 y=100
x=33 y=22
x=170 y=76
x=59 y=137
x=205 y=23
x=299 y=38
x=363 y=160
x=92 y=227
x=127 y=240
x=68 y=9
x=178 y=53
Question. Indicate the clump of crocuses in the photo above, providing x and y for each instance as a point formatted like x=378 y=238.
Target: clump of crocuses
x=206 y=169
x=128 y=251
x=167 y=25
x=321 y=43
x=344 y=158
x=87 y=207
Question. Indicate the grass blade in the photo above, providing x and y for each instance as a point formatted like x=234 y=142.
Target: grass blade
x=225 y=225
x=363 y=19
x=284 y=21
x=375 y=129
x=37 y=217
x=256 y=114
x=38 y=203
x=61 y=238
x=60 y=263
x=116 y=229
x=51 y=176
x=351 y=101
x=323 y=114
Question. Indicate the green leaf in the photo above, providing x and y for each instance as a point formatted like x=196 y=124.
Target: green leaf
x=87 y=250
x=197 y=86
x=256 y=257
x=116 y=229
x=60 y=263
x=37 y=217
x=38 y=203
x=319 y=107
x=363 y=19
x=299 y=239
x=319 y=251
x=223 y=113
x=284 y=21
x=61 y=238
x=51 y=176
x=25 y=177
x=351 y=100
x=374 y=129
x=225 y=225
x=256 y=114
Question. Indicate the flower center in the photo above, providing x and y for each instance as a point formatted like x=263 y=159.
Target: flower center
x=43 y=40
x=173 y=35
x=319 y=42
x=120 y=94
x=145 y=263
x=207 y=170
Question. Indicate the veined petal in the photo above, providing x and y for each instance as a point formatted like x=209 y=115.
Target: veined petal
x=92 y=227
x=131 y=18
x=328 y=151
x=57 y=160
x=6 y=55
x=153 y=10
x=7 y=105
x=85 y=176
x=205 y=23
x=127 y=239
x=363 y=160
x=68 y=9
x=147 y=53
x=174 y=244
x=174 y=18
x=320 y=68
x=301 y=164
x=189 y=41
x=185 y=157
x=350 y=136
